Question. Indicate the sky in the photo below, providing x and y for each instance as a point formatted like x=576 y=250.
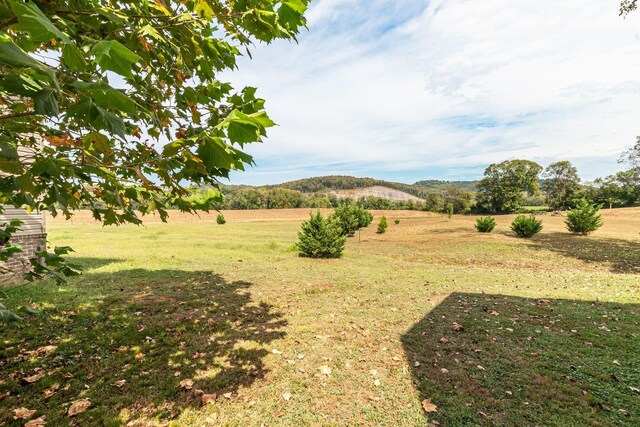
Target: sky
x=406 y=90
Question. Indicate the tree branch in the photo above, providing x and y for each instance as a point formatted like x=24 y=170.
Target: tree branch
x=17 y=115
x=8 y=22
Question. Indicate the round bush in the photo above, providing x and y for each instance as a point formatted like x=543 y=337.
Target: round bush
x=220 y=219
x=396 y=221
x=485 y=224
x=526 y=225
x=320 y=238
x=584 y=218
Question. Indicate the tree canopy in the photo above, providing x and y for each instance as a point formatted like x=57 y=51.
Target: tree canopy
x=119 y=104
x=504 y=184
x=561 y=182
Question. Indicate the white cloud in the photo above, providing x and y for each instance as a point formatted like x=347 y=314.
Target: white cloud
x=410 y=90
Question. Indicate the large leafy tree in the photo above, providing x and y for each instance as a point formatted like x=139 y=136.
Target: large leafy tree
x=561 y=182
x=505 y=184
x=116 y=105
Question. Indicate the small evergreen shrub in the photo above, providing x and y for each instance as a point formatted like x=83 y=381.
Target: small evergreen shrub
x=351 y=217
x=584 y=218
x=449 y=209
x=485 y=224
x=320 y=237
x=220 y=219
x=396 y=221
x=526 y=225
x=382 y=226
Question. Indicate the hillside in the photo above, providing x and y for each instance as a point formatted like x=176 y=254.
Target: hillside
x=338 y=182
x=375 y=191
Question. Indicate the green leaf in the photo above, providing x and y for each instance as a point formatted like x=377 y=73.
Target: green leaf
x=114 y=56
x=13 y=56
x=31 y=20
x=45 y=165
x=73 y=58
x=110 y=122
x=7 y=316
x=46 y=102
x=106 y=96
x=29 y=310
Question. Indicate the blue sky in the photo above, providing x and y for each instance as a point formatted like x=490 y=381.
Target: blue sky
x=410 y=90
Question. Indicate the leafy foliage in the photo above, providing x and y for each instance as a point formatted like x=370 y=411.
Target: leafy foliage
x=92 y=90
x=351 y=217
x=382 y=225
x=584 y=218
x=561 y=182
x=628 y=6
x=504 y=184
x=485 y=224
x=526 y=226
x=220 y=219
x=439 y=184
x=396 y=221
x=321 y=237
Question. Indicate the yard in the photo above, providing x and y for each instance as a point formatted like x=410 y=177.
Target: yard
x=491 y=329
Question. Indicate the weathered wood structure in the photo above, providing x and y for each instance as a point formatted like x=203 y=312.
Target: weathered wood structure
x=32 y=236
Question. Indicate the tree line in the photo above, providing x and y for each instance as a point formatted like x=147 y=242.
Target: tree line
x=506 y=187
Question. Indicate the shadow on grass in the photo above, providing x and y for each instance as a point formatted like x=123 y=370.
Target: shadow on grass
x=622 y=256
x=126 y=340
x=522 y=361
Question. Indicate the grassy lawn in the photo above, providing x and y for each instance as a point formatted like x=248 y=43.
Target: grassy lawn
x=549 y=327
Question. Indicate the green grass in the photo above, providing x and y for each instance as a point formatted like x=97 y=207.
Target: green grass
x=233 y=308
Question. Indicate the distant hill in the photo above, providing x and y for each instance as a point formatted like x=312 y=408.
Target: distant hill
x=437 y=184
x=339 y=182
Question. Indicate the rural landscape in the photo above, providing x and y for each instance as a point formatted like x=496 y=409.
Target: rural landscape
x=439 y=224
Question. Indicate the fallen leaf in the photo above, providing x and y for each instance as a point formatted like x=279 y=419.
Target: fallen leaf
x=457 y=327
x=138 y=356
x=376 y=383
x=38 y=422
x=186 y=384
x=119 y=383
x=51 y=391
x=23 y=413
x=47 y=349
x=286 y=396
x=208 y=398
x=227 y=395
x=443 y=340
x=615 y=362
x=325 y=370
x=78 y=407
x=274 y=351
x=33 y=378
x=428 y=406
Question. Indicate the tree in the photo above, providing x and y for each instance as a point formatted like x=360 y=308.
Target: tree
x=584 y=218
x=619 y=190
x=120 y=104
x=631 y=157
x=320 y=238
x=561 y=182
x=504 y=184
x=382 y=225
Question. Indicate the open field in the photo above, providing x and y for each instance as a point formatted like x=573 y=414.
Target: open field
x=551 y=325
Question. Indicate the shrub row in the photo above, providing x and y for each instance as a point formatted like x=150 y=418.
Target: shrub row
x=583 y=219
